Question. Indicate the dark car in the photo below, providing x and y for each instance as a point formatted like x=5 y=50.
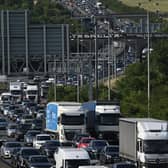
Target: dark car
x=3 y=130
x=67 y=144
x=109 y=154
x=38 y=161
x=3 y=122
x=14 y=156
x=23 y=155
x=37 y=124
x=123 y=165
x=49 y=147
x=95 y=146
x=17 y=114
x=29 y=136
x=11 y=110
x=21 y=130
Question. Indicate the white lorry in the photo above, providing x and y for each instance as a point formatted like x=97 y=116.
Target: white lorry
x=71 y=157
x=144 y=141
x=102 y=119
x=64 y=119
x=31 y=92
x=15 y=89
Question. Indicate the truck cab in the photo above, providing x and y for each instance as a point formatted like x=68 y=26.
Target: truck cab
x=65 y=119
x=152 y=143
x=32 y=92
x=144 y=141
x=102 y=119
x=108 y=121
x=16 y=90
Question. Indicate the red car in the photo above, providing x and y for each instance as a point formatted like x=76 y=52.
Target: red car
x=84 y=142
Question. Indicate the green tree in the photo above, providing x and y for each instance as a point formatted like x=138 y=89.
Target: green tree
x=133 y=86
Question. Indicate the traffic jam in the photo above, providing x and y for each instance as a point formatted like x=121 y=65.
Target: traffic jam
x=70 y=134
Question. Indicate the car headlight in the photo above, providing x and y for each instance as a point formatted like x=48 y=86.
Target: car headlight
x=32 y=167
x=7 y=151
x=109 y=156
x=94 y=150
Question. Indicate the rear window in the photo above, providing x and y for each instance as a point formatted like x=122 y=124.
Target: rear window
x=28 y=117
x=2 y=120
x=13 y=126
x=10 y=145
x=29 y=152
x=39 y=160
x=86 y=140
x=43 y=138
x=100 y=143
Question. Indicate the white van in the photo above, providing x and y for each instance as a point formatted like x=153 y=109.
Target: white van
x=71 y=157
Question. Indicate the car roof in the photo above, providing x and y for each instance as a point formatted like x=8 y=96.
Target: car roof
x=25 y=148
x=42 y=135
x=12 y=142
x=88 y=138
x=48 y=141
x=33 y=156
x=29 y=131
x=123 y=163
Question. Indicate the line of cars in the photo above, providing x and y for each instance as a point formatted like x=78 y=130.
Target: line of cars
x=19 y=126
x=29 y=146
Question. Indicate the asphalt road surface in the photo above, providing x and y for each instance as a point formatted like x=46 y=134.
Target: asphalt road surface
x=4 y=164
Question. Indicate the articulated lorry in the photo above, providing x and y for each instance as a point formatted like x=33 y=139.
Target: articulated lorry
x=64 y=119
x=144 y=141
x=102 y=119
x=15 y=89
x=31 y=92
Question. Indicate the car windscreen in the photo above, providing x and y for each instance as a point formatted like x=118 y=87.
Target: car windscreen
x=2 y=120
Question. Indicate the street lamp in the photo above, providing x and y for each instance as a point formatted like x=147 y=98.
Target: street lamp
x=109 y=54
x=148 y=62
x=148 y=59
x=55 y=89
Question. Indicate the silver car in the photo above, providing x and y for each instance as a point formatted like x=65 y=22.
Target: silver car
x=11 y=130
x=8 y=147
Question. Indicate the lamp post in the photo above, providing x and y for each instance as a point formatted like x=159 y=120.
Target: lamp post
x=78 y=71
x=55 y=89
x=96 y=61
x=109 y=54
x=148 y=60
